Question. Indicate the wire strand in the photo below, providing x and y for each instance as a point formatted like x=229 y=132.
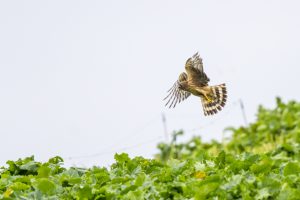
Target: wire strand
x=231 y=106
x=120 y=149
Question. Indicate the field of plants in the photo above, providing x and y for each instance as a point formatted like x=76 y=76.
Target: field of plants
x=261 y=161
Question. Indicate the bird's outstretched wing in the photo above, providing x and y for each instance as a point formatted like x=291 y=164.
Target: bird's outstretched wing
x=175 y=93
x=194 y=69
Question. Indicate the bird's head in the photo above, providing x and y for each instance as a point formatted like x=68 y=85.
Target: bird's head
x=188 y=63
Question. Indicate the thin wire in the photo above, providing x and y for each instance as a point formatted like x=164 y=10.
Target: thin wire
x=138 y=131
x=231 y=106
x=104 y=151
x=121 y=149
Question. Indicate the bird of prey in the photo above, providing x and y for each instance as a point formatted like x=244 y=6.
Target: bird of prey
x=195 y=81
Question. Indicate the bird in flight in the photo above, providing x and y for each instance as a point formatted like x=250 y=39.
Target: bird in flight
x=195 y=81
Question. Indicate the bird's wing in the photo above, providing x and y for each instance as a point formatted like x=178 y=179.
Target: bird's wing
x=194 y=69
x=175 y=93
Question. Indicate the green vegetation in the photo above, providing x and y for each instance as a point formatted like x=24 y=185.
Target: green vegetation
x=261 y=161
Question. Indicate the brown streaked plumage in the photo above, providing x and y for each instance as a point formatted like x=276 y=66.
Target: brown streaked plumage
x=195 y=82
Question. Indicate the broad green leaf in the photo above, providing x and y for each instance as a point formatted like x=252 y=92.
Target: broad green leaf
x=291 y=168
x=84 y=193
x=46 y=186
x=44 y=171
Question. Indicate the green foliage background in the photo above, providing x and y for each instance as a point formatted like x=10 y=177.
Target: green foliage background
x=260 y=161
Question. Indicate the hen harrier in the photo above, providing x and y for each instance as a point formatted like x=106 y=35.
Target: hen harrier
x=194 y=81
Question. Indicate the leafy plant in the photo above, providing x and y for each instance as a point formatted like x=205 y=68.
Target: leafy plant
x=261 y=161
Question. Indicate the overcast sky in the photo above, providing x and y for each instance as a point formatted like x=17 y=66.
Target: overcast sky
x=86 y=79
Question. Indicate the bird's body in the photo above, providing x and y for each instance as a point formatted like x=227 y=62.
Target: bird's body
x=194 y=88
x=195 y=81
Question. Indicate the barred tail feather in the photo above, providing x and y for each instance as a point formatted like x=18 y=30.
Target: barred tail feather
x=218 y=97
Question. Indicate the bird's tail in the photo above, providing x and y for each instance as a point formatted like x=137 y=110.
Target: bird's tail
x=216 y=99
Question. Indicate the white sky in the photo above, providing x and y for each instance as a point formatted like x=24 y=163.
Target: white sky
x=79 y=78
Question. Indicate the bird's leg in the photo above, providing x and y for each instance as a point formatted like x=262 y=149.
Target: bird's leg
x=205 y=92
x=207 y=98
